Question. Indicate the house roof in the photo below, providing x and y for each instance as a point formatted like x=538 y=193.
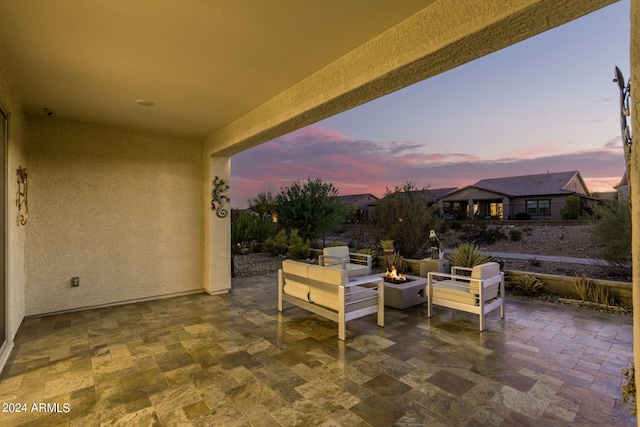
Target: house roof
x=351 y=198
x=432 y=194
x=529 y=185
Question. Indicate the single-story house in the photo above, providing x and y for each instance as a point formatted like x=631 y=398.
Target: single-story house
x=360 y=204
x=540 y=196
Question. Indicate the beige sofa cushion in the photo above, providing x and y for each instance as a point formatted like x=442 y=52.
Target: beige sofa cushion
x=293 y=287
x=326 y=294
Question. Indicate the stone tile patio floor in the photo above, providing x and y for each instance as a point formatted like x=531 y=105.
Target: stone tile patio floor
x=232 y=360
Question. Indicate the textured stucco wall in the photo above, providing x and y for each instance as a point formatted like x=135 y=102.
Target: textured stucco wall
x=16 y=277
x=121 y=209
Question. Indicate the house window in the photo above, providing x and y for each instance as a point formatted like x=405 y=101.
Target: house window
x=495 y=210
x=538 y=207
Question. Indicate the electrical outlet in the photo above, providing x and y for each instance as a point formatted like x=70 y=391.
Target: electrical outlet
x=75 y=282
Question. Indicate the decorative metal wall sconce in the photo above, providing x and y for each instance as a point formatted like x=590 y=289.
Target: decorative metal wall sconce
x=218 y=198
x=625 y=111
x=21 y=196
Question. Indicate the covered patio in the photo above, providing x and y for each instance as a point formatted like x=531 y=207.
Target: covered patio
x=232 y=360
x=120 y=195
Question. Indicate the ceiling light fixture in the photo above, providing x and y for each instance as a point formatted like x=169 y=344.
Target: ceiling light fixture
x=144 y=102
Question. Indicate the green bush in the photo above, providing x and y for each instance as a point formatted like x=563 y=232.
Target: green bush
x=611 y=231
x=404 y=216
x=468 y=255
x=572 y=208
x=299 y=248
x=247 y=231
x=312 y=208
x=515 y=235
x=277 y=245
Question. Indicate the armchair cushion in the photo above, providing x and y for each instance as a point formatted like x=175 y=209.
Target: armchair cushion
x=339 y=257
x=334 y=255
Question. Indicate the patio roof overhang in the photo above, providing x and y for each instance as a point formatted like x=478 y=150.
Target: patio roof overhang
x=244 y=74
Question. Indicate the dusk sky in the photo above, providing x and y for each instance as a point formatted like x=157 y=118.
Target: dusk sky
x=545 y=104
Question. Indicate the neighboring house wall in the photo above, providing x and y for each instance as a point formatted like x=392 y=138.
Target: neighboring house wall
x=121 y=209
x=577 y=185
x=546 y=207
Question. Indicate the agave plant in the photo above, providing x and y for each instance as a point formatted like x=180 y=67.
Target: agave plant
x=528 y=285
x=468 y=255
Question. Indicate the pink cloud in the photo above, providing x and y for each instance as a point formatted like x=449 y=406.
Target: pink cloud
x=360 y=166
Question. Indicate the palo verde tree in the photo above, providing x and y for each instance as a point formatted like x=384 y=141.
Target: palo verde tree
x=311 y=207
x=405 y=217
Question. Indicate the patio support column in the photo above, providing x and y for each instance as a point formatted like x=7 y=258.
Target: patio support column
x=506 y=208
x=217 y=241
x=470 y=208
x=634 y=179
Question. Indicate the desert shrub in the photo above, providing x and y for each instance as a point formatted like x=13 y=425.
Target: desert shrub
x=534 y=262
x=369 y=251
x=468 y=255
x=248 y=231
x=572 y=208
x=298 y=247
x=522 y=216
x=629 y=388
x=396 y=261
x=404 y=216
x=527 y=285
x=611 y=231
x=335 y=244
x=480 y=234
x=591 y=292
x=515 y=235
x=312 y=208
x=277 y=245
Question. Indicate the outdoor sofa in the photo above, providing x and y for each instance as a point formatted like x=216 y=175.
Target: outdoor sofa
x=327 y=291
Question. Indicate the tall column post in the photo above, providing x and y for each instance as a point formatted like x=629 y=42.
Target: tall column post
x=217 y=241
x=506 y=208
x=634 y=179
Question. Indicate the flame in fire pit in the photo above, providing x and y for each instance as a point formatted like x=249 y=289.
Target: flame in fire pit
x=393 y=275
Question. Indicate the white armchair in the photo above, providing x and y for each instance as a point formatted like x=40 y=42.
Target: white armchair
x=340 y=257
x=480 y=292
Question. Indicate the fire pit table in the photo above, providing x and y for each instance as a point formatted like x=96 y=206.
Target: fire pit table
x=404 y=295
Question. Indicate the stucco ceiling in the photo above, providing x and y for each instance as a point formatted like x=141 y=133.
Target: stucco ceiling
x=204 y=63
